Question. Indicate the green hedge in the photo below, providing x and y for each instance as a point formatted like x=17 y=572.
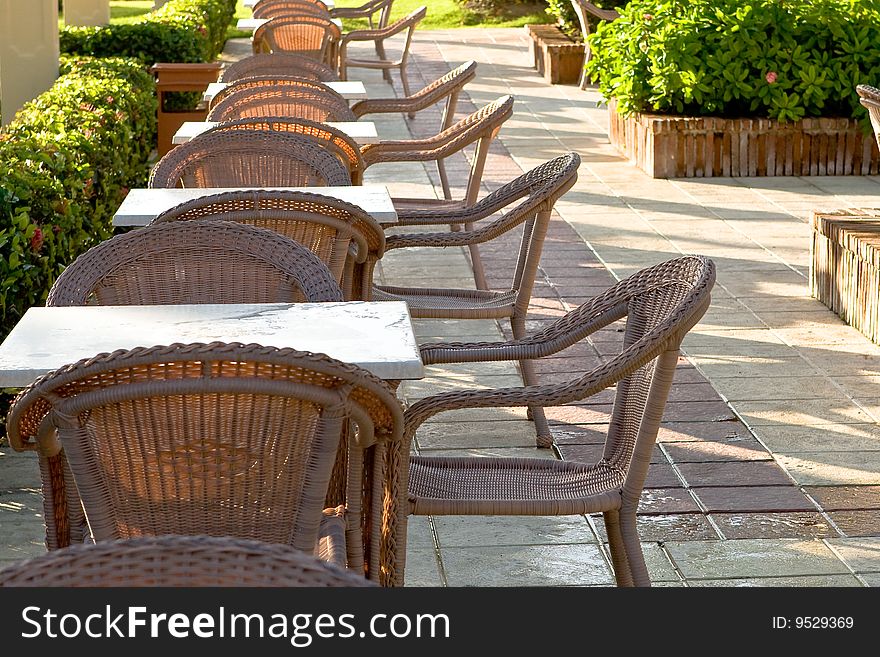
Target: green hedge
x=66 y=162
x=735 y=58
x=179 y=31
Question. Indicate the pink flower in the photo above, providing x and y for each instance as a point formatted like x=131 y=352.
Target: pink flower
x=770 y=77
x=648 y=17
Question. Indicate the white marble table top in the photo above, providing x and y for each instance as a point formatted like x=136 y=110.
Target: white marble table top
x=141 y=206
x=251 y=24
x=250 y=4
x=377 y=336
x=362 y=132
x=348 y=89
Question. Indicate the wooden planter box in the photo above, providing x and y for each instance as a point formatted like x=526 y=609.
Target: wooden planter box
x=555 y=55
x=845 y=266
x=667 y=146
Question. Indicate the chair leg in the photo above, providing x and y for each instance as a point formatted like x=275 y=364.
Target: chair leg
x=444 y=179
x=543 y=435
x=477 y=264
x=632 y=545
x=622 y=573
x=405 y=82
x=380 y=53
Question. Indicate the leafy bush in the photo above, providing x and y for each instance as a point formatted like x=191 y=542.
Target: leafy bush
x=732 y=58
x=179 y=31
x=66 y=161
x=568 y=20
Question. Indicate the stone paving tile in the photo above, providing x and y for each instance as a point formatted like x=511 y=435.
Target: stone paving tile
x=824 y=438
x=457 y=435
x=422 y=568
x=832 y=468
x=860 y=554
x=731 y=431
x=701 y=451
x=22 y=532
x=475 y=531
x=748 y=473
x=857 y=523
x=533 y=565
x=664 y=501
x=773 y=525
x=753 y=498
x=672 y=527
x=755 y=558
x=18 y=469
x=837 y=498
x=801 y=581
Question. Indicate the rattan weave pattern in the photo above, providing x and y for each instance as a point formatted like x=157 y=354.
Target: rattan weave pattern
x=341 y=234
x=312 y=36
x=278 y=64
x=660 y=304
x=273 y=8
x=178 y=561
x=265 y=95
x=251 y=158
x=217 y=439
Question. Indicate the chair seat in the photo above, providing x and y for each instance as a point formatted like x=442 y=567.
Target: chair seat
x=511 y=486
x=331 y=544
x=448 y=303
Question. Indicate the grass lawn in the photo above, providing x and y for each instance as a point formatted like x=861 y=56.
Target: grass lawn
x=441 y=14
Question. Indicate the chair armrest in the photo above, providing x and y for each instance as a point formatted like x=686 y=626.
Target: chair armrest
x=373 y=35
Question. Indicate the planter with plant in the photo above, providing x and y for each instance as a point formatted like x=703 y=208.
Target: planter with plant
x=733 y=87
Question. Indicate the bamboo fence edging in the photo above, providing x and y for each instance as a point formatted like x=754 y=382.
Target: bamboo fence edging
x=845 y=266
x=666 y=146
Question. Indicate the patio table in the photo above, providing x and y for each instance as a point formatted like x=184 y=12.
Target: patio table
x=348 y=89
x=251 y=24
x=141 y=206
x=362 y=132
x=377 y=336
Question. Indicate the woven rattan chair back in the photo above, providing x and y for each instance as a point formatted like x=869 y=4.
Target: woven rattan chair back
x=587 y=11
x=329 y=137
x=269 y=96
x=275 y=8
x=278 y=64
x=215 y=439
x=199 y=262
x=178 y=561
x=658 y=306
x=250 y=158
x=312 y=36
x=870 y=98
x=405 y=26
x=341 y=234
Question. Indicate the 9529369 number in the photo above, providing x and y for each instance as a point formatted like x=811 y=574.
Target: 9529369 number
x=813 y=623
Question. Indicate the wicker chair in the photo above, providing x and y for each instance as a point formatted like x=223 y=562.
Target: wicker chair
x=250 y=158
x=481 y=127
x=342 y=235
x=175 y=561
x=530 y=199
x=584 y=11
x=660 y=304
x=870 y=98
x=275 y=8
x=330 y=138
x=445 y=88
x=279 y=64
x=368 y=10
x=226 y=263
x=261 y=96
x=313 y=36
x=216 y=439
x=405 y=25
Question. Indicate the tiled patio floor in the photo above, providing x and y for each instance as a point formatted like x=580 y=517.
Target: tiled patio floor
x=768 y=467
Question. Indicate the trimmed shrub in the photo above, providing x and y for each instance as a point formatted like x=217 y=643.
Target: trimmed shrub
x=179 y=31
x=739 y=58
x=66 y=162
